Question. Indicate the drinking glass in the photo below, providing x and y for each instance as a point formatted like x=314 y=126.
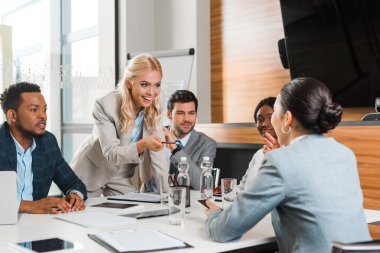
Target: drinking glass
x=164 y=189
x=215 y=175
x=229 y=186
x=177 y=201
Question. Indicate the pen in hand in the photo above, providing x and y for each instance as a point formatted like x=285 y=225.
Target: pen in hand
x=167 y=142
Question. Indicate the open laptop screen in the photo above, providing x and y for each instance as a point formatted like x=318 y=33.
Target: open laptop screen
x=8 y=203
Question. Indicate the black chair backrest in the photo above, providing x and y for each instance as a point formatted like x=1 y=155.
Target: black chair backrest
x=371 y=116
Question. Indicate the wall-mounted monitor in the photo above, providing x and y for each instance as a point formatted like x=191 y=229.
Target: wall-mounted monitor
x=338 y=42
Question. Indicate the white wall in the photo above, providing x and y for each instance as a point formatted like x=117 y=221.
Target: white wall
x=148 y=25
x=136 y=28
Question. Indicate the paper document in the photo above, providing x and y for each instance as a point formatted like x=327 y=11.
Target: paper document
x=372 y=215
x=137 y=240
x=140 y=197
x=95 y=219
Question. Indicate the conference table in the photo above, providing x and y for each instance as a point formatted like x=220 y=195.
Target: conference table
x=41 y=226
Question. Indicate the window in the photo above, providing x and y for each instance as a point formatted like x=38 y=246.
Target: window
x=71 y=57
x=27 y=43
x=84 y=79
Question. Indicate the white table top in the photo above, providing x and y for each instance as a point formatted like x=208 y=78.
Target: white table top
x=42 y=226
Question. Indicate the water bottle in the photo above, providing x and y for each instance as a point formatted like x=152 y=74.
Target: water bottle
x=206 y=179
x=183 y=178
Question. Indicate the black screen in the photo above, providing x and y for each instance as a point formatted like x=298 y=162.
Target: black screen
x=233 y=159
x=337 y=42
x=47 y=245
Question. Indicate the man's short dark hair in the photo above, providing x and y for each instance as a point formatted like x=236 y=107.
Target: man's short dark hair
x=182 y=96
x=11 y=97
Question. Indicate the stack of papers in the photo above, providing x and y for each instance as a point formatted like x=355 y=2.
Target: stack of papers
x=137 y=240
x=95 y=219
x=140 y=197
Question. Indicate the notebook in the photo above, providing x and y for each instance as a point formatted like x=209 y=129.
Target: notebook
x=8 y=203
x=94 y=219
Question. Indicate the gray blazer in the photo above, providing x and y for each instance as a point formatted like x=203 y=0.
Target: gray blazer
x=108 y=152
x=312 y=189
x=198 y=146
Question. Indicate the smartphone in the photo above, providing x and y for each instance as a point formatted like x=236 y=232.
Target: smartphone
x=45 y=245
x=203 y=202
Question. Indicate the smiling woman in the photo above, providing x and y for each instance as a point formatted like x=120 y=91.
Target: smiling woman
x=262 y=116
x=125 y=146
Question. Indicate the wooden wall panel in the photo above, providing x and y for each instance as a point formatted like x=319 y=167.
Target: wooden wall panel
x=356 y=114
x=245 y=63
x=364 y=141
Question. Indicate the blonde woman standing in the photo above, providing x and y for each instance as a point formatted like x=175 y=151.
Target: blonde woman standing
x=125 y=145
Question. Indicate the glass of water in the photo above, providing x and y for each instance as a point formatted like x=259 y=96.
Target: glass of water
x=164 y=189
x=177 y=201
x=229 y=186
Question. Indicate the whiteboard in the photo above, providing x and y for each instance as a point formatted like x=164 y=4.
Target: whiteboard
x=176 y=68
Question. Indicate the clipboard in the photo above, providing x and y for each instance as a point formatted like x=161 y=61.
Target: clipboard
x=122 y=241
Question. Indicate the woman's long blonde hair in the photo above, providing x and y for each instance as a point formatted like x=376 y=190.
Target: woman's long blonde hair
x=152 y=115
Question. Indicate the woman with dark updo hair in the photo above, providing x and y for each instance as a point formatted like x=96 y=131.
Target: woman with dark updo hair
x=310 y=186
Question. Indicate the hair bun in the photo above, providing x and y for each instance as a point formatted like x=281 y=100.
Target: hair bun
x=329 y=117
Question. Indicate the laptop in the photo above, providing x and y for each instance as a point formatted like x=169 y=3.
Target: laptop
x=8 y=203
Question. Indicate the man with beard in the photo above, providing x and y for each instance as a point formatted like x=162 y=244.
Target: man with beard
x=33 y=153
x=182 y=109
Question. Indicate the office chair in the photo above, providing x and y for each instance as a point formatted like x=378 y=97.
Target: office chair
x=359 y=247
x=371 y=116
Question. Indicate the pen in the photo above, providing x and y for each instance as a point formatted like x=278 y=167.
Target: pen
x=167 y=142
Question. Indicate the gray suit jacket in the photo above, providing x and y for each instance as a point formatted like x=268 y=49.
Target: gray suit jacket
x=108 y=151
x=312 y=189
x=198 y=146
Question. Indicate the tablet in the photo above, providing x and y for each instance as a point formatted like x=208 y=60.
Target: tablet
x=114 y=205
x=138 y=196
x=45 y=245
x=147 y=214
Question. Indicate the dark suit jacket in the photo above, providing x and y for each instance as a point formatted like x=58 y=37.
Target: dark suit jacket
x=48 y=164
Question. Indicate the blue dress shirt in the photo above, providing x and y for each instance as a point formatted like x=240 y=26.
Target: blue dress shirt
x=137 y=131
x=24 y=172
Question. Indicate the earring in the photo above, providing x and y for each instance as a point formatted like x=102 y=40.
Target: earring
x=286 y=132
